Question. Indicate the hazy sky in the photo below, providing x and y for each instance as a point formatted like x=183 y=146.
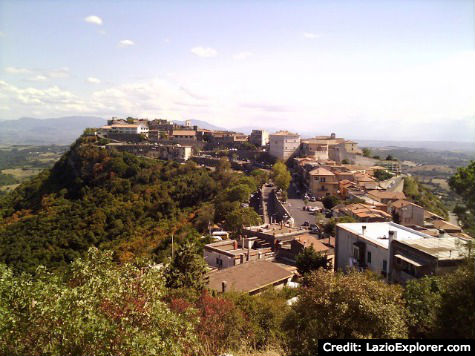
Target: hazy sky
x=366 y=69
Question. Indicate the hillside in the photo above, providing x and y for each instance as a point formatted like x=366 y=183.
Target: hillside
x=96 y=197
x=424 y=197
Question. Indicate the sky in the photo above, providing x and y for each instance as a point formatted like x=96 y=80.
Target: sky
x=374 y=69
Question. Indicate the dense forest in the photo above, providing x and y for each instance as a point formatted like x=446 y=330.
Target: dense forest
x=113 y=200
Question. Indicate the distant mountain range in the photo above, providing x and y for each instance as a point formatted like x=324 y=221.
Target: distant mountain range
x=64 y=130
x=202 y=124
x=59 y=131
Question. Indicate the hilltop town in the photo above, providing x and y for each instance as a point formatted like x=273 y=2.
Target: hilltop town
x=343 y=204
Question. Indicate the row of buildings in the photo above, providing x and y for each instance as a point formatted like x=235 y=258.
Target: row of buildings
x=265 y=255
x=281 y=145
x=163 y=130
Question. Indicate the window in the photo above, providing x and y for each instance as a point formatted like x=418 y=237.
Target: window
x=369 y=258
x=385 y=265
x=322 y=179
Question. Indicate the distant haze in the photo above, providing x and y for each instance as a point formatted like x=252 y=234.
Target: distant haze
x=65 y=130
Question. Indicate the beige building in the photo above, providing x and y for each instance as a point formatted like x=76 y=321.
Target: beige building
x=322 y=182
x=314 y=149
x=283 y=144
x=408 y=213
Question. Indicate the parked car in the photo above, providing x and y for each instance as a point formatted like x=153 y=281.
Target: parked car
x=313 y=199
x=306 y=223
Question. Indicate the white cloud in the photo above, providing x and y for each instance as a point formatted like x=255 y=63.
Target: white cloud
x=17 y=70
x=93 y=80
x=37 y=75
x=41 y=101
x=126 y=43
x=350 y=96
x=204 y=52
x=310 y=35
x=62 y=72
x=38 y=78
x=96 y=20
x=242 y=55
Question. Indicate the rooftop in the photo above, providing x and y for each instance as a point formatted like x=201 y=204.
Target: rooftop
x=445 y=248
x=402 y=203
x=285 y=133
x=321 y=172
x=378 y=232
x=248 y=277
x=307 y=240
x=444 y=225
x=384 y=194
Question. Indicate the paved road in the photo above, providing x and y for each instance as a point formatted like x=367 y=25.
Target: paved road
x=294 y=205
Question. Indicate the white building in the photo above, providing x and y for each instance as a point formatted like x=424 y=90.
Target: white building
x=367 y=245
x=283 y=144
x=126 y=129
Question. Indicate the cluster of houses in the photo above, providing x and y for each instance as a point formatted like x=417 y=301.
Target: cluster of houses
x=392 y=236
x=281 y=145
x=266 y=255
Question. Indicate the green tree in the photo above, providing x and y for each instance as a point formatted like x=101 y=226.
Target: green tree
x=238 y=193
x=336 y=305
x=463 y=183
x=330 y=227
x=456 y=316
x=281 y=176
x=381 y=174
x=260 y=176
x=309 y=260
x=187 y=268
x=423 y=300
x=330 y=201
x=236 y=219
x=366 y=152
x=97 y=308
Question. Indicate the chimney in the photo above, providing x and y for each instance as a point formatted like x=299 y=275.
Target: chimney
x=332 y=136
x=392 y=235
x=235 y=245
x=363 y=229
x=224 y=286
